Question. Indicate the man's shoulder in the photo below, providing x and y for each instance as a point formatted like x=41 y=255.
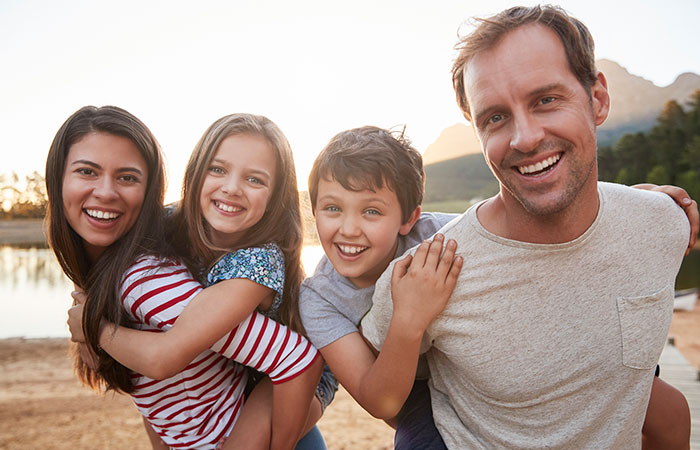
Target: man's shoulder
x=640 y=202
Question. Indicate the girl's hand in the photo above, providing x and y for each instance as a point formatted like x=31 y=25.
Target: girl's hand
x=681 y=197
x=75 y=316
x=421 y=284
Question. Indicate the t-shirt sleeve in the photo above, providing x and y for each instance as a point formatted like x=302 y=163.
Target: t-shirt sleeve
x=154 y=292
x=263 y=265
x=323 y=323
x=269 y=347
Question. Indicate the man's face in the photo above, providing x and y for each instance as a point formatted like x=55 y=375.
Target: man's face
x=535 y=120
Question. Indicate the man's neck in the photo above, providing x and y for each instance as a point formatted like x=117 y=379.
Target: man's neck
x=504 y=216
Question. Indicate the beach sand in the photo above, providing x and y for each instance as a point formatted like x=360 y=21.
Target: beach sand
x=42 y=405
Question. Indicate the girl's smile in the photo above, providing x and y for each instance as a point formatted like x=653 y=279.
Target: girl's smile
x=237 y=187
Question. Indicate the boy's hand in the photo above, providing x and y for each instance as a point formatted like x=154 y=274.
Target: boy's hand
x=422 y=283
x=681 y=197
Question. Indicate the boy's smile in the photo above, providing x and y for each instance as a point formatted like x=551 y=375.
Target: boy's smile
x=358 y=230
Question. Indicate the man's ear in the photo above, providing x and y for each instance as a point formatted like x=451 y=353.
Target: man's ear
x=408 y=225
x=600 y=99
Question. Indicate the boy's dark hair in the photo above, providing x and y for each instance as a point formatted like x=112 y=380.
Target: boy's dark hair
x=367 y=158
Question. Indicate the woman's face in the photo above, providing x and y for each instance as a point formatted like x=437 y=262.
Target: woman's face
x=104 y=185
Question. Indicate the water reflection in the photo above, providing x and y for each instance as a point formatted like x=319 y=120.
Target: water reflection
x=35 y=295
x=35 y=266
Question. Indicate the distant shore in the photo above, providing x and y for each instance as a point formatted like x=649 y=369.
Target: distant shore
x=22 y=232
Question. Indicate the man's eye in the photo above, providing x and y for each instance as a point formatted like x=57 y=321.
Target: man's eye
x=546 y=100
x=495 y=118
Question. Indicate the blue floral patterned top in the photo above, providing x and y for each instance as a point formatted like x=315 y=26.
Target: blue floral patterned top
x=263 y=265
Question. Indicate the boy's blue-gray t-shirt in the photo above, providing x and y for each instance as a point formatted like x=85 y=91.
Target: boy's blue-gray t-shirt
x=332 y=307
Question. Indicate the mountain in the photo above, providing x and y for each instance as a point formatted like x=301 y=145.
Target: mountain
x=636 y=102
x=457 y=140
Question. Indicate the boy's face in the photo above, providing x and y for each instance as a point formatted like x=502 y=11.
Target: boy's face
x=358 y=230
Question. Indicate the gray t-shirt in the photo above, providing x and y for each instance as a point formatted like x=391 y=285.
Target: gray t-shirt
x=552 y=345
x=332 y=307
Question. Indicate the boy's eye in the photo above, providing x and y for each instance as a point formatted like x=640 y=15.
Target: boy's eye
x=373 y=212
x=331 y=208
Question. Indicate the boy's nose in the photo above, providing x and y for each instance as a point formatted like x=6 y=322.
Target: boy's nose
x=350 y=226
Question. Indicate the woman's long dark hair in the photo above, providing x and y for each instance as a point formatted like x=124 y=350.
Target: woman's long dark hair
x=101 y=279
x=281 y=222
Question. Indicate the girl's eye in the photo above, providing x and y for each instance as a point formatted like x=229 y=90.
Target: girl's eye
x=255 y=180
x=331 y=208
x=216 y=170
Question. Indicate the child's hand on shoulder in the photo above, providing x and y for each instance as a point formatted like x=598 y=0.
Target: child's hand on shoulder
x=421 y=284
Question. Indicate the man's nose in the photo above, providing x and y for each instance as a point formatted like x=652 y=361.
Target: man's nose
x=527 y=133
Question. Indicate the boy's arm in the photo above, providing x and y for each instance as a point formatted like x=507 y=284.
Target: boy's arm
x=681 y=197
x=209 y=316
x=421 y=286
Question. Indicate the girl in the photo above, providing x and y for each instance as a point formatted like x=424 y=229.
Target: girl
x=105 y=183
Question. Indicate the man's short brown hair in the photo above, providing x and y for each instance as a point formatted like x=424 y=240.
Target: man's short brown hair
x=577 y=41
x=367 y=158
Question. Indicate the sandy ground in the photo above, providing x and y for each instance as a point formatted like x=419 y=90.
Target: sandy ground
x=42 y=405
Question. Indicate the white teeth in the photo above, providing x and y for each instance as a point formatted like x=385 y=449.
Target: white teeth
x=105 y=215
x=351 y=249
x=227 y=208
x=541 y=165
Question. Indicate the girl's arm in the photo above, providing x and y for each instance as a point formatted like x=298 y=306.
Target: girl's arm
x=421 y=286
x=212 y=313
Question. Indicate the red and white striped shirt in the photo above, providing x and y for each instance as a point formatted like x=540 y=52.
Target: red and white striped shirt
x=199 y=406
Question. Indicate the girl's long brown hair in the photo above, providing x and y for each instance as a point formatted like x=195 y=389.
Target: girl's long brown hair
x=281 y=222
x=101 y=279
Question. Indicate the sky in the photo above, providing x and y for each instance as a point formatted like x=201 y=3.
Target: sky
x=314 y=67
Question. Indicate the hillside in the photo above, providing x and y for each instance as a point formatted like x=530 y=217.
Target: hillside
x=464 y=179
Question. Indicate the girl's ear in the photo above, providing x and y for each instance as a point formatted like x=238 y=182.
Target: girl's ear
x=408 y=225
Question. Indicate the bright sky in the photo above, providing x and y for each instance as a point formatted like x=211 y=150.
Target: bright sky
x=313 y=67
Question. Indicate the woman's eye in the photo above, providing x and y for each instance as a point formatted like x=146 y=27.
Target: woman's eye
x=85 y=171
x=130 y=178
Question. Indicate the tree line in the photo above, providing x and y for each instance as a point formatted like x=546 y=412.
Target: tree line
x=669 y=153
x=25 y=199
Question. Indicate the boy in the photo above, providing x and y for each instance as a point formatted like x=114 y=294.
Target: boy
x=366 y=188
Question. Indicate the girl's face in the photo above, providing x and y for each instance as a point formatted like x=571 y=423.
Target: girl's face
x=237 y=187
x=104 y=185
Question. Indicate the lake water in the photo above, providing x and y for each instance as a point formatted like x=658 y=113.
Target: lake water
x=35 y=295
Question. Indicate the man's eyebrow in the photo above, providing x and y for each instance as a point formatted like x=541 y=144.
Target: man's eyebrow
x=545 y=89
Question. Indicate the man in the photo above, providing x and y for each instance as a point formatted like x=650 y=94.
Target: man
x=562 y=307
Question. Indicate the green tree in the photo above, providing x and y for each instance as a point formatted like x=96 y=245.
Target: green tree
x=658 y=175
